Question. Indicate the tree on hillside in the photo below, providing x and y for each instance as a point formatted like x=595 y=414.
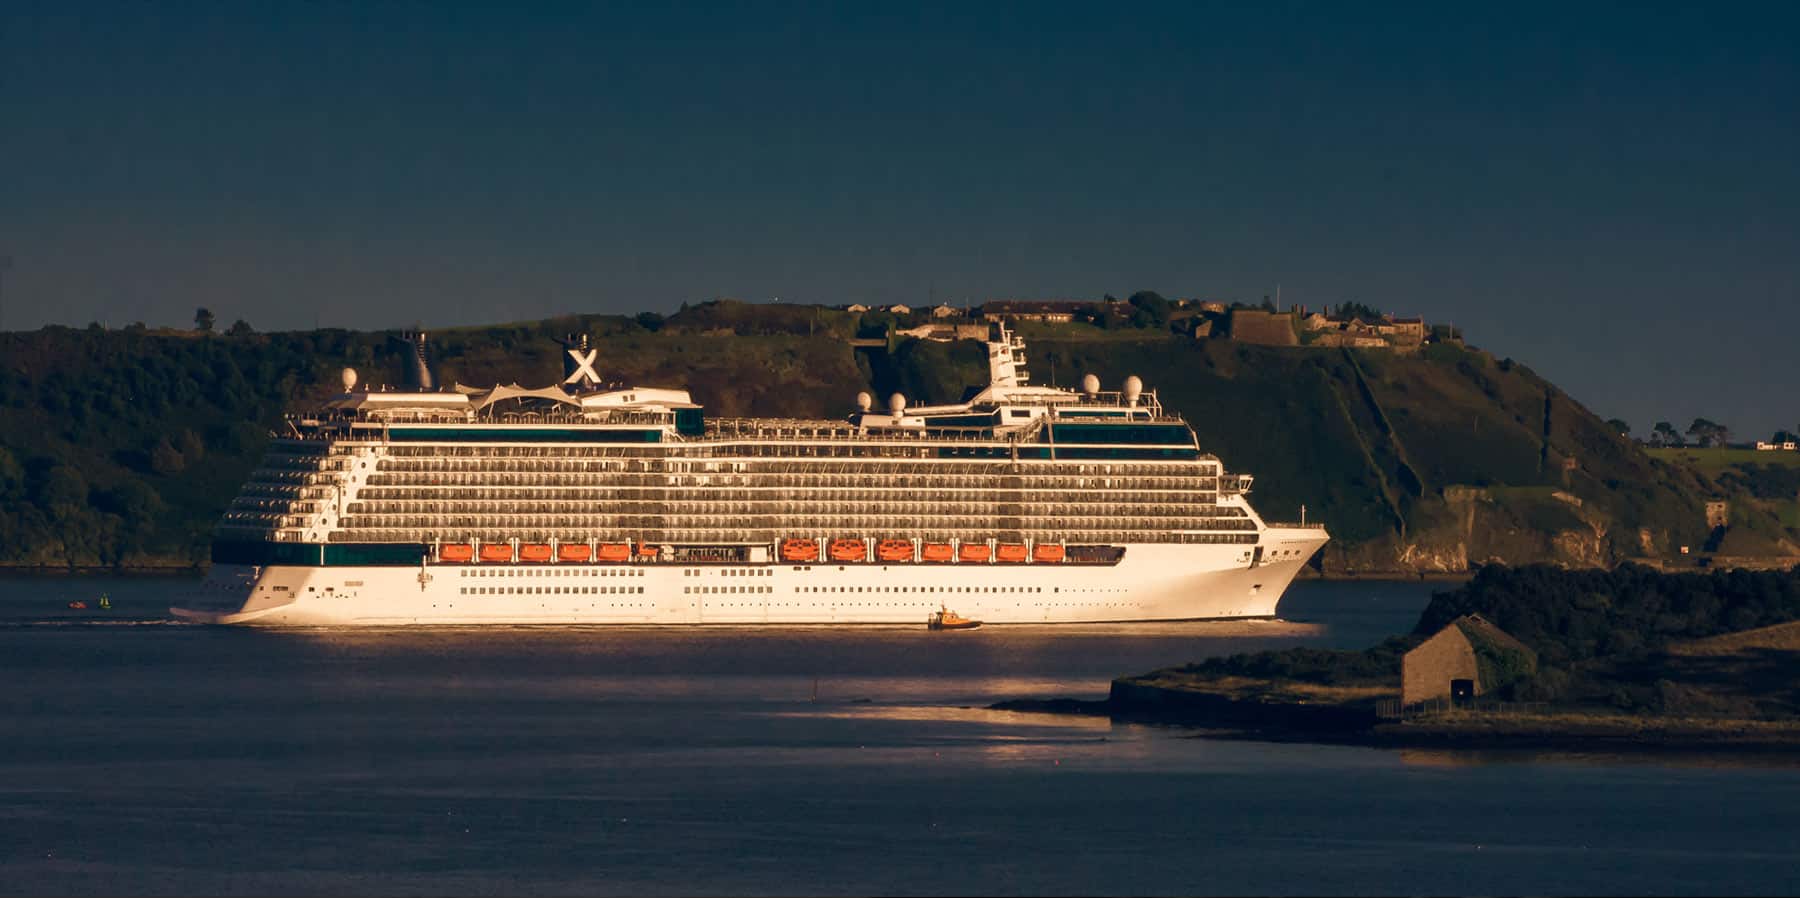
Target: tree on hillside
x=1619 y=426
x=1357 y=310
x=203 y=319
x=649 y=321
x=239 y=328
x=1785 y=436
x=1708 y=433
x=1665 y=434
x=1150 y=309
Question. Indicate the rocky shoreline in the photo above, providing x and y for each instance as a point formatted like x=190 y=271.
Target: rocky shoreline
x=1233 y=715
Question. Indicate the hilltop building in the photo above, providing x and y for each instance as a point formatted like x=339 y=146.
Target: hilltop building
x=1056 y=311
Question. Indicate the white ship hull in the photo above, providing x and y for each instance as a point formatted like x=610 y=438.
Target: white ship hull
x=1151 y=583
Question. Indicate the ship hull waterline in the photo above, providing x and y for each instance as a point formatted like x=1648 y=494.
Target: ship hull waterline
x=1153 y=582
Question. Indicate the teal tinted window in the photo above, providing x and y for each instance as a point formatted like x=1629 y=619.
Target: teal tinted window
x=373 y=553
x=1120 y=452
x=1158 y=434
x=259 y=553
x=689 y=422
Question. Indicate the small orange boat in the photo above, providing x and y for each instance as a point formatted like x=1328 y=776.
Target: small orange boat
x=1047 y=553
x=945 y=619
x=647 y=551
x=615 y=552
x=848 y=550
x=534 y=552
x=78 y=605
x=936 y=552
x=576 y=553
x=894 y=550
x=799 y=550
x=497 y=552
x=454 y=553
x=1011 y=553
x=977 y=552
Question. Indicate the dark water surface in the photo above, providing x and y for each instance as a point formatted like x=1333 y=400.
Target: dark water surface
x=142 y=756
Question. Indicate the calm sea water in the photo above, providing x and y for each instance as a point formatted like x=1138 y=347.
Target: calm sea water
x=143 y=756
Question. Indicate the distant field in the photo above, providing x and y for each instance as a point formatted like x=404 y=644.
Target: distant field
x=1712 y=461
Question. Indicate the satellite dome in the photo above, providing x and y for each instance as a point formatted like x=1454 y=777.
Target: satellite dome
x=897 y=404
x=348 y=377
x=1090 y=385
x=864 y=401
x=1134 y=387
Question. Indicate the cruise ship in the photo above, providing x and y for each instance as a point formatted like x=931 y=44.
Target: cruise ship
x=585 y=502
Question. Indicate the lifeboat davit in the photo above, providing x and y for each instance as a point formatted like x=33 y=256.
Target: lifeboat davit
x=894 y=550
x=575 y=553
x=1047 y=553
x=1011 y=553
x=973 y=552
x=848 y=550
x=615 y=552
x=455 y=552
x=799 y=550
x=496 y=552
x=937 y=552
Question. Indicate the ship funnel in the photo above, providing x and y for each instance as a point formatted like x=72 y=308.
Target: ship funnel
x=418 y=361
x=578 y=361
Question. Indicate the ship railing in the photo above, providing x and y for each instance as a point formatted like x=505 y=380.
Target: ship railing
x=1296 y=525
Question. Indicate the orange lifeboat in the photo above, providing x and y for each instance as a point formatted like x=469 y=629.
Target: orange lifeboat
x=973 y=552
x=615 y=552
x=894 y=550
x=534 y=552
x=848 y=550
x=496 y=552
x=647 y=551
x=1047 y=553
x=572 y=553
x=454 y=553
x=1011 y=553
x=799 y=550
x=936 y=551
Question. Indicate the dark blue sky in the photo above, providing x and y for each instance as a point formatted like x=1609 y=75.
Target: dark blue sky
x=1608 y=194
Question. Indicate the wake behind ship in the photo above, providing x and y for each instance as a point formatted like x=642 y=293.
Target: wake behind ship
x=586 y=503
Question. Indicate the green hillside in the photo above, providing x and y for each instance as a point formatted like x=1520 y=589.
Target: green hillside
x=122 y=447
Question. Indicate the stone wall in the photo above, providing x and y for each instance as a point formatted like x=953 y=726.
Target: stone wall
x=1263 y=328
x=1427 y=670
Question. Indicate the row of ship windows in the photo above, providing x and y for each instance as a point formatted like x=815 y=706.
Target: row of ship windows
x=709 y=537
x=740 y=590
x=551 y=572
x=772 y=506
x=677 y=468
x=804 y=523
x=549 y=590
x=1035 y=489
x=902 y=480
